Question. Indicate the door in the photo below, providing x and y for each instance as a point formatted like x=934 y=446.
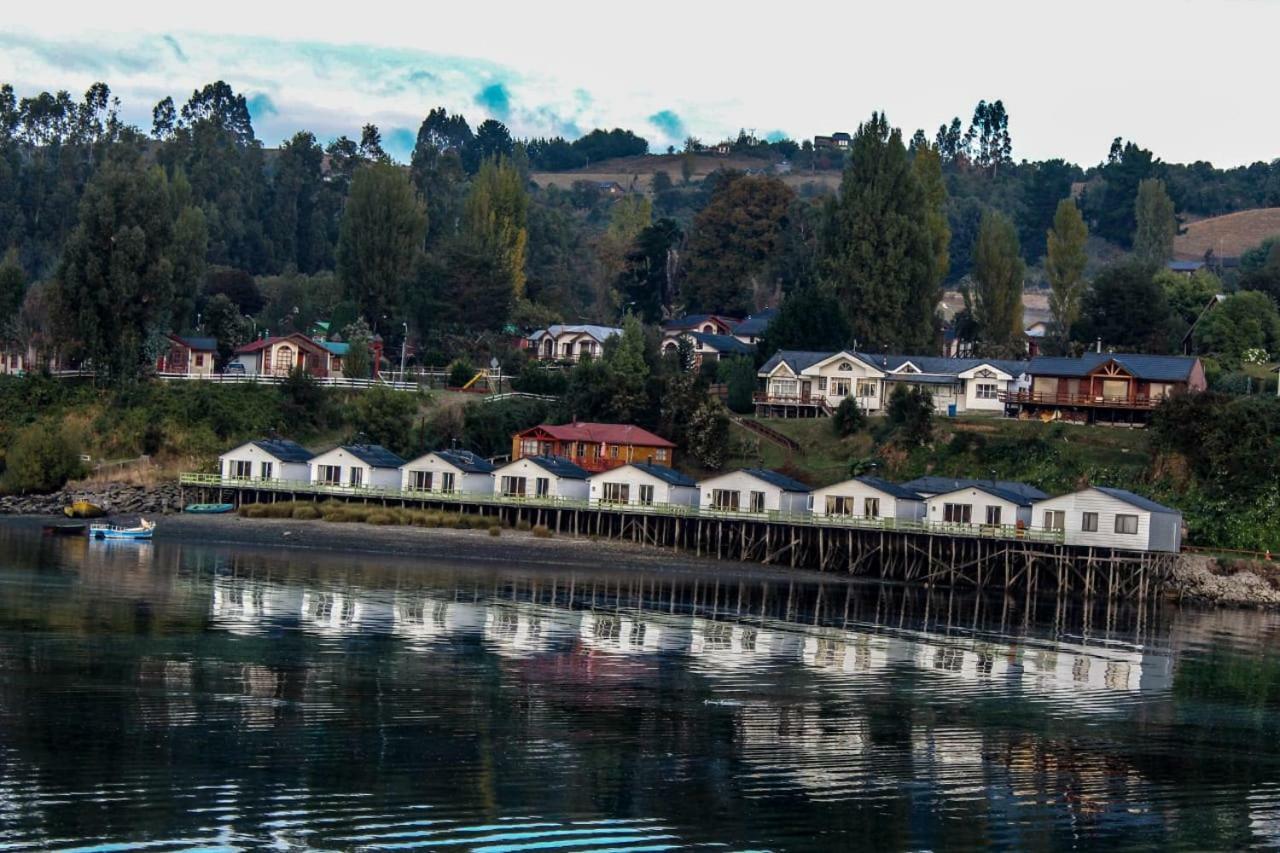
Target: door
x=806 y=389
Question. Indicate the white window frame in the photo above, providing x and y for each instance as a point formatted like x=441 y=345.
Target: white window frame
x=542 y=487
x=268 y=468
x=513 y=486
x=240 y=469
x=1089 y=522
x=957 y=513
x=1124 y=525
x=757 y=501
x=646 y=495
x=447 y=482
x=1055 y=519
x=329 y=475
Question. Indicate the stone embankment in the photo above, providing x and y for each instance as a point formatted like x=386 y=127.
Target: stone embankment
x=115 y=498
x=1235 y=584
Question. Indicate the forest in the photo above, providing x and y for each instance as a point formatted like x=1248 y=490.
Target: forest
x=113 y=235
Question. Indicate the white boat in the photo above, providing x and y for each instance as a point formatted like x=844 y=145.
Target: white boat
x=114 y=531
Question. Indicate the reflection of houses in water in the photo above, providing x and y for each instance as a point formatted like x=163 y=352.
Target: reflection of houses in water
x=971 y=661
x=633 y=633
x=331 y=612
x=825 y=754
x=734 y=645
x=518 y=628
x=166 y=695
x=848 y=652
x=247 y=606
x=430 y=619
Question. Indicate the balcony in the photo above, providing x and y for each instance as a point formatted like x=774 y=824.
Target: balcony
x=1093 y=401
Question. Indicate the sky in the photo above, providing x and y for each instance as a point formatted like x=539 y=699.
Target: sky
x=1188 y=80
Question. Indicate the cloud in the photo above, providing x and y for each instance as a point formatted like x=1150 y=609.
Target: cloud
x=177 y=48
x=776 y=136
x=399 y=142
x=496 y=99
x=670 y=124
x=261 y=106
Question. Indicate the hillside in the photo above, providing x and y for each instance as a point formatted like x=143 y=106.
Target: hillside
x=635 y=173
x=1228 y=236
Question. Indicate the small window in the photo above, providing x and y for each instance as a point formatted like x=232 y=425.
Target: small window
x=513 y=487
x=757 y=501
x=1055 y=519
x=613 y=451
x=446 y=482
x=866 y=388
x=421 y=481
x=1089 y=522
x=329 y=474
x=957 y=513
x=1127 y=524
x=267 y=470
x=357 y=476
x=993 y=516
x=988 y=391
x=725 y=499
x=646 y=495
x=199 y=359
x=617 y=493
x=822 y=383
x=241 y=469
x=543 y=486
x=660 y=454
x=871 y=507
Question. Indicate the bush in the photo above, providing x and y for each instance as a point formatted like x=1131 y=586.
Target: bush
x=910 y=414
x=739 y=374
x=524 y=526
x=848 y=418
x=42 y=459
x=460 y=373
x=541 y=531
x=385 y=417
x=380 y=518
x=495 y=531
x=306 y=512
x=536 y=379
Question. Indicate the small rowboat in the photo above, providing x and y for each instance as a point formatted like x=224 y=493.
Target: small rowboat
x=111 y=531
x=65 y=529
x=210 y=508
x=83 y=509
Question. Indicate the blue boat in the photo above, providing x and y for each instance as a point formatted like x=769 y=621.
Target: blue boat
x=207 y=509
x=112 y=531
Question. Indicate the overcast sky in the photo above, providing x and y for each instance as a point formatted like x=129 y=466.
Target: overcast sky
x=1189 y=80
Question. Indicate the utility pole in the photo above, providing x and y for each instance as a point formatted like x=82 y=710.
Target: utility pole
x=404 y=342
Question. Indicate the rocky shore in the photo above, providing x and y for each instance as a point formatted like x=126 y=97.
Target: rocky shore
x=1205 y=580
x=115 y=498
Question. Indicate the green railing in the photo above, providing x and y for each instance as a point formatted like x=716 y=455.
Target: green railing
x=983 y=531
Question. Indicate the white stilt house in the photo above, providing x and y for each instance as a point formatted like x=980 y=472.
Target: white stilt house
x=980 y=506
x=643 y=484
x=753 y=490
x=266 y=459
x=870 y=498
x=448 y=472
x=357 y=466
x=541 y=478
x=1111 y=518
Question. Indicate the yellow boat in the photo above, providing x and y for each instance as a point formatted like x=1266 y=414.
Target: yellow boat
x=83 y=509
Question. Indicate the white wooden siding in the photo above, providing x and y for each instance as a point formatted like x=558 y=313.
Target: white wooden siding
x=633 y=478
x=557 y=487
x=1010 y=512
x=1156 y=531
x=890 y=506
x=255 y=456
x=775 y=498
x=466 y=483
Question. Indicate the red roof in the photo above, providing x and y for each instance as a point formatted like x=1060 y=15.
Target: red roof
x=600 y=434
x=296 y=337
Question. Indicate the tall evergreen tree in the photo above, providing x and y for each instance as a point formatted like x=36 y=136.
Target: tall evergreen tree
x=876 y=252
x=927 y=164
x=495 y=218
x=381 y=235
x=1154 y=224
x=1064 y=266
x=998 y=273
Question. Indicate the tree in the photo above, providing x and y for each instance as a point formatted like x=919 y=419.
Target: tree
x=224 y=322
x=1127 y=309
x=876 y=251
x=1263 y=273
x=381 y=235
x=492 y=141
x=848 y=418
x=385 y=417
x=809 y=319
x=495 y=220
x=629 y=371
x=910 y=415
x=1064 y=267
x=13 y=288
x=1188 y=295
x=42 y=458
x=356 y=363
x=1155 y=225
x=115 y=288
x=927 y=165
x=732 y=243
x=647 y=282
x=998 y=273
x=1244 y=321
x=1110 y=204
x=988 y=136
x=1044 y=186
x=739 y=374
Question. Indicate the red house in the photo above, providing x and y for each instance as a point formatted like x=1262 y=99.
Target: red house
x=592 y=446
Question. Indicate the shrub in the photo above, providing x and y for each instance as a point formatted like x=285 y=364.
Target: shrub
x=380 y=518
x=460 y=373
x=524 y=526
x=542 y=531
x=910 y=414
x=41 y=459
x=848 y=418
x=306 y=512
x=495 y=531
x=739 y=374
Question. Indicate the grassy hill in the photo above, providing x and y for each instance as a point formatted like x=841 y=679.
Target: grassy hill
x=1228 y=236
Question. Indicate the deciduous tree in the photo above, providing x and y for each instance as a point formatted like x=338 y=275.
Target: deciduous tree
x=998 y=275
x=1064 y=266
x=1155 y=225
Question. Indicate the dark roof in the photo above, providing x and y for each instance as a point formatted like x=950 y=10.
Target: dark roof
x=897 y=491
x=757 y=322
x=941 y=365
x=722 y=343
x=374 y=455
x=923 y=378
x=557 y=466
x=692 y=321
x=797 y=360
x=1135 y=500
x=284 y=449
x=669 y=476
x=466 y=461
x=1159 y=368
x=1185 y=266
x=995 y=491
x=204 y=344
x=782 y=481
x=938 y=485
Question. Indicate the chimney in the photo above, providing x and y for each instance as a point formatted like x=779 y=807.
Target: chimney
x=1098 y=345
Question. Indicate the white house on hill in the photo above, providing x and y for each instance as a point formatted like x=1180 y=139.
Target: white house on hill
x=266 y=459
x=448 y=472
x=1111 y=518
x=753 y=490
x=643 y=484
x=357 y=466
x=868 y=497
x=979 y=505
x=541 y=477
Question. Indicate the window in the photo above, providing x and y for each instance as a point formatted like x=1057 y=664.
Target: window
x=1055 y=519
x=987 y=391
x=839 y=505
x=529 y=447
x=1127 y=524
x=646 y=495
x=757 y=501
x=357 y=475
x=993 y=516
x=241 y=469
x=446 y=482
x=660 y=454
x=822 y=383
x=783 y=388
x=845 y=366
x=542 y=486
x=267 y=469
x=617 y=493
x=513 y=487
x=866 y=388
x=725 y=499
x=200 y=359
x=871 y=507
x=957 y=513
x=613 y=451
x=420 y=481
x=1089 y=522
x=330 y=475
x=839 y=388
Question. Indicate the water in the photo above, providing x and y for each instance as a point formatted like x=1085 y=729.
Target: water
x=168 y=697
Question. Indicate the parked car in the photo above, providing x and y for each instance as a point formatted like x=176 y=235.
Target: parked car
x=235 y=368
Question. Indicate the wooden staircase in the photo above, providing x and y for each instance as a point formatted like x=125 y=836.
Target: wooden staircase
x=767 y=433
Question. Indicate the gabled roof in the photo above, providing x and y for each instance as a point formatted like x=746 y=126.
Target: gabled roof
x=466 y=461
x=1157 y=368
x=773 y=478
x=294 y=338
x=283 y=449
x=600 y=333
x=940 y=365
x=994 y=491
x=940 y=485
x=670 y=476
x=338 y=348
x=1134 y=500
x=198 y=344
x=796 y=360
x=555 y=466
x=722 y=343
x=596 y=433
x=374 y=455
x=693 y=321
x=893 y=489
x=757 y=323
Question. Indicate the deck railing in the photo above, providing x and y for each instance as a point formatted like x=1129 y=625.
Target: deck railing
x=1090 y=400
x=984 y=531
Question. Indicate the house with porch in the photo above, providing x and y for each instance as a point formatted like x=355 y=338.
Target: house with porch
x=706 y=346
x=593 y=446
x=643 y=484
x=979 y=505
x=813 y=384
x=569 y=342
x=187 y=356
x=1111 y=518
x=1120 y=388
x=17 y=360
x=541 y=478
x=448 y=472
x=357 y=466
x=753 y=490
x=711 y=324
x=278 y=355
x=869 y=498
x=266 y=459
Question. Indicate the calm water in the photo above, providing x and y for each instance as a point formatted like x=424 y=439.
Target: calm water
x=175 y=698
